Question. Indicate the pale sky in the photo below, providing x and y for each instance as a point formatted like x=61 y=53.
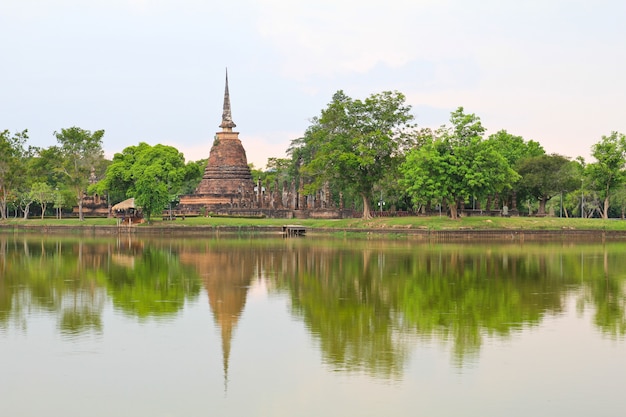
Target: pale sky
x=553 y=71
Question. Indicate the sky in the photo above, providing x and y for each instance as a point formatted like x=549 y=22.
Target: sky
x=153 y=71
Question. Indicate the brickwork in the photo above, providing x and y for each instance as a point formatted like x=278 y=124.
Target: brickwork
x=227 y=181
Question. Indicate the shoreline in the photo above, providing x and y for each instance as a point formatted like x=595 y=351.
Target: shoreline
x=595 y=235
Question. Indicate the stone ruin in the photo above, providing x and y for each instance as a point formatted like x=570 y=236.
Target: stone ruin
x=227 y=181
x=227 y=186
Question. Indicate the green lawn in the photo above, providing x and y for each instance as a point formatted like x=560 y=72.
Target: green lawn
x=431 y=223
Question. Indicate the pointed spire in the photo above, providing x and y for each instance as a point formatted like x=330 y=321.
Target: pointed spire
x=227 y=334
x=227 y=118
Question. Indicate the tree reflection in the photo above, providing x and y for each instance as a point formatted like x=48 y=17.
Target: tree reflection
x=365 y=302
x=347 y=306
x=72 y=278
x=604 y=277
x=150 y=282
x=46 y=275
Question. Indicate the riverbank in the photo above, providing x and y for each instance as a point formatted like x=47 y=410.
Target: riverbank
x=438 y=228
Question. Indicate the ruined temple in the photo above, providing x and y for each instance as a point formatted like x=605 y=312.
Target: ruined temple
x=227 y=186
x=227 y=181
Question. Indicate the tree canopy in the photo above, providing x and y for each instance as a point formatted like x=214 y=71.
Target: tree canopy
x=456 y=163
x=545 y=176
x=353 y=152
x=12 y=160
x=355 y=143
x=608 y=172
x=153 y=175
x=80 y=150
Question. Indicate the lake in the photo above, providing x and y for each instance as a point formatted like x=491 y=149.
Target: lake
x=264 y=326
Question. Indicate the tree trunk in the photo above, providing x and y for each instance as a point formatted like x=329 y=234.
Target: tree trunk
x=26 y=211
x=366 y=207
x=454 y=214
x=43 y=210
x=3 y=205
x=542 y=206
x=81 y=217
x=605 y=212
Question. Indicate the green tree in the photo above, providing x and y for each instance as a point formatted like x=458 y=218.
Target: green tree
x=43 y=166
x=12 y=154
x=194 y=170
x=159 y=173
x=153 y=175
x=545 y=176
x=24 y=199
x=59 y=200
x=514 y=149
x=42 y=194
x=355 y=143
x=607 y=174
x=80 y=150
x=119 y=178
x=157 y=284
x=455 y=163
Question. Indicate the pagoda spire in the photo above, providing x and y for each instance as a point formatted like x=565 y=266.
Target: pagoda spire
x=227 y=118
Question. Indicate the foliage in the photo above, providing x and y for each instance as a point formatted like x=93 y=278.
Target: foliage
x=118 y=178
x=514 y=148
x=12 y=155
x=59 y=200
x=545 y=176
x=80 y=151
x=354 y=143
x=153 y=175
x=194 y=170
x=42 y=194
x=157 y=285
x=43 y=166
x=455 y=164
x=608 y=172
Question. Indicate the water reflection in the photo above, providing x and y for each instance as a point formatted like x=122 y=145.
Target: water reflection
x=226 y=278
x=72 y=279
x=365 y=303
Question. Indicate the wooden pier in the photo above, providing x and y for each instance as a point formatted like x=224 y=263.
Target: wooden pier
x=293 y=230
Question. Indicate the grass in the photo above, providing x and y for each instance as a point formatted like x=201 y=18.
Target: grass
x=398 y=223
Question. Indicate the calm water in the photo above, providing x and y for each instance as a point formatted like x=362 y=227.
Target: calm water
x=309 y=327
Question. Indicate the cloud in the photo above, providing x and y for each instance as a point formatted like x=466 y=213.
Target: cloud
x=328 y=37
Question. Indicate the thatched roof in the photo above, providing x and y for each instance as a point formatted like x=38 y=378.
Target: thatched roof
x=124 y=205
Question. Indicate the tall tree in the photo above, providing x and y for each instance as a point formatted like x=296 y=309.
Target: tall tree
x=455 y=164
x=81 y=150
x=194 y=170
x=159 y=173
x=356 y=143
x=153 y=175
x=42 y=193
x=119 y=177
x=608 y=172
x=12 y=158
x=514 y=149
x=545 y=176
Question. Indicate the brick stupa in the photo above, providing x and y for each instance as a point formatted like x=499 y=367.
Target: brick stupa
x=227 y=181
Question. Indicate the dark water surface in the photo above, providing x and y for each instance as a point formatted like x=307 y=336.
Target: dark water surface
x=250 y=326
